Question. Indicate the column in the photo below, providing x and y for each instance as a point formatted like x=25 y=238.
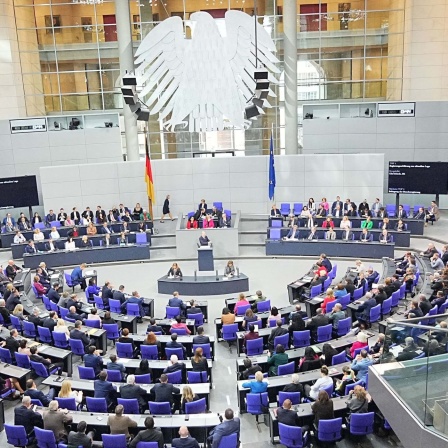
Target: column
x=425 y=64
x=290 y=63
x=126 y=58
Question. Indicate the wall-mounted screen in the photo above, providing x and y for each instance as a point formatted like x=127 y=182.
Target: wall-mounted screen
x=418 y=177
x=18 y=192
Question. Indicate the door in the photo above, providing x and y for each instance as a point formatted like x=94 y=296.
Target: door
x=110 y=28
x=312 y=18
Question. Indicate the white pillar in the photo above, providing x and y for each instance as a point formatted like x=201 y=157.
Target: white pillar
x=126 y=58
x=290 y=63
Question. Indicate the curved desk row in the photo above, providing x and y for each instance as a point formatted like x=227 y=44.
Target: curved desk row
x=203 y=285
x=354 y=249
x=7 y=238
x=93 y=255
x=415 y=226
x=401 y=239
x=95 y=241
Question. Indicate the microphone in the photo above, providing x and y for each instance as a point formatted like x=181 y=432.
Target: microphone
x=238 y=272
x=217 y=276
x=195 y=275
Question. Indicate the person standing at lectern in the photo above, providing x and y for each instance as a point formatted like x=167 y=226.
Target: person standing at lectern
x=174 y=271
x=204 y=240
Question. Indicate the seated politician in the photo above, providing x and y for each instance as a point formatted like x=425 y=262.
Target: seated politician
x=313 y=235
x=192 y=223
x=30 y=248
x=365 y=236
x=174 y=271
x=385 y=237
x=204 y=240
x=275 y=212
x=420 y=214
x=293 y=234
x=224 y=221
x=347 y=235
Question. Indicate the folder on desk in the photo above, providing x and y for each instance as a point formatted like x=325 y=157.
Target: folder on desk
x=92 y=331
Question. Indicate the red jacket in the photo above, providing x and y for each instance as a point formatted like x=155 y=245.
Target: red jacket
x=192 y=226
x=326 y=224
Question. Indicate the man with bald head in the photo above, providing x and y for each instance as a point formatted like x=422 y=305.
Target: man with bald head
x=185 y=440
x=12 y=270
x=286 y=415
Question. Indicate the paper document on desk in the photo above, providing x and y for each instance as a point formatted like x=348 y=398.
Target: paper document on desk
x=90 y=273
x=92 y=331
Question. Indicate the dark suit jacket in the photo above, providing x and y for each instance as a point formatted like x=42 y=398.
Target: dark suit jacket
x=27 y=418
x=317 y=321
x=93 y=361
x=277 y=331
x=187 y=442
x=148 y=435
x=36 y=320
x=104 y=389
x=103 y=230
x=39 y=395
x=11 y=271
x=30 y=250
x=154 y=328
x=287 y=417
x=49 y=323
x=201 y=339
x=53 y=295
x=130 y=391
x=225 y=428
x=78 y=334
x=116 y=295
x=164 y=392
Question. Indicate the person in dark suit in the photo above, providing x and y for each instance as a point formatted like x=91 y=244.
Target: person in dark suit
x=347 y=235
x=154 y=327
x=313 y=235
x=363 y=312
x=293 y=233
x=50 y=321
x=174 y=271
x=132 y=390
x=105 y=229
x=34 y=318
x=204 y=240
x=77 y=276
x=100 y=215
x=401 y=213
x=116 y=295
x=385 y=237
x=107 y=293
x=174 y=344
x=13 y=300
x=49 y=365
x=364 y=236
x=185 y=440
x=230 y=425
x=30 y=248
x=335 y=204
x=87 y=214
x=163 y=391
x=12 y=270
x=277 y=331
x=319 y=320
x=150 y=434
x=420 y=214
x=275 y=212
x=26 y=417
x=12 y=342
x=93 y=359
x=62 y=216
x=286 y=415
x=371 y=276
x=294 y=385
x=105 y=389
x=53 y=294
x=73 y=301
x=175 y=366
x=72 y=314
x=77 y=333
x=9 y=221
x=201 y=338
x=51 y=216
x=33 y=392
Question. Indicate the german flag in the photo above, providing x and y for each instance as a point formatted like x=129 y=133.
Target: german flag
x=148 y=178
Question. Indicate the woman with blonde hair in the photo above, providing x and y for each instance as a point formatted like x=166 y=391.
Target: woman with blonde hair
x=328 y=298
x=187 y=397
x=257 y=385
x=67 y=392
x=62 y=328
x=358 y=401
x=18 y=311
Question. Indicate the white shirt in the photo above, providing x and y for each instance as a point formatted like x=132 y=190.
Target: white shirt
x=319 y=385
x=70 y=246
x=19 y=239
x=55 y=235
x=38 y=236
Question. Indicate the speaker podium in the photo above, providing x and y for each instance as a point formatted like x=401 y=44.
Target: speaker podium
x=205 y=258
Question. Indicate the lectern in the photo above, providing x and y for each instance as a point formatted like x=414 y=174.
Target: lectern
x=205 y=258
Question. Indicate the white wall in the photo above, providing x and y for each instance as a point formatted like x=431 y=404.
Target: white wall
x=24 y=153
x=241 y=183
x=420 y=138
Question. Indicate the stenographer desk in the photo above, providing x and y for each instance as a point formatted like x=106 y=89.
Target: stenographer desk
x=203 y=285
x=353 y=249
x=277 y=383
x=400 y=238
x=199 y=425
x=305 y=414
x=90 y=255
